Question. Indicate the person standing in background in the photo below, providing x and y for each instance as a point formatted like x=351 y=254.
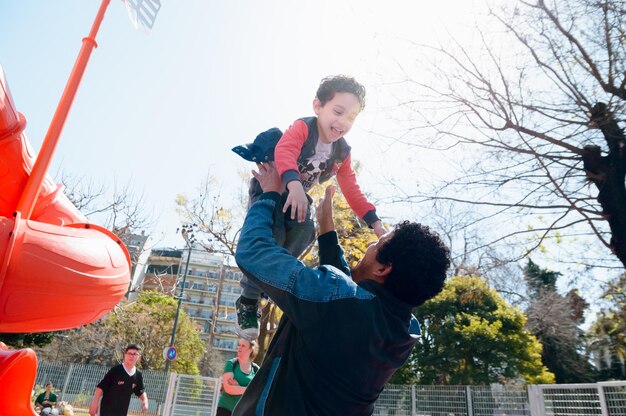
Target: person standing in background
x=238 y=373
x=118 y=385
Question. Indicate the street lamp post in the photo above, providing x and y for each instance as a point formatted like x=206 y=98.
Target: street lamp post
x=187 y=233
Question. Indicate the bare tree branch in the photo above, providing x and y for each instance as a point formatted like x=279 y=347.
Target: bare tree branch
x=539 y=120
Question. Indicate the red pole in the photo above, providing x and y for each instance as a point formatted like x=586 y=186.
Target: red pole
x=33 y=185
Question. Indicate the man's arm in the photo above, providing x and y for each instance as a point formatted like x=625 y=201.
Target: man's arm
x=298 y=290
x=140 y=391
x=330 y=252
x=95 y=403
x=324 y=211
x=144 y=400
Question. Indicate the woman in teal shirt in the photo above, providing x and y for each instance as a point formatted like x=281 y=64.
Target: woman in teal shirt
x=238 y=373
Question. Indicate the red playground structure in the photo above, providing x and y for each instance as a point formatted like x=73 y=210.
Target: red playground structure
x=47 y=247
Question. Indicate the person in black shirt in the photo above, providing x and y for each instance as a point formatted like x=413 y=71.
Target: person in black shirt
x=118 y=385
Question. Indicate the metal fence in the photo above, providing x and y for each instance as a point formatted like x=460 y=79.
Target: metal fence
x=419 y=400
x=184 y=395
x=192 y=396
x=605 y=399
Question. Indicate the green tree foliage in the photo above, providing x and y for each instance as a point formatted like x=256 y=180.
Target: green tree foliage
x=608 y=333
x=471 y=336
x=609 y=346
x=147 y=322
x=554 y=319
x=539 y=279
x=27 y=340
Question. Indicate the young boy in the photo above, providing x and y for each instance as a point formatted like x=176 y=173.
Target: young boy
x=312 y=150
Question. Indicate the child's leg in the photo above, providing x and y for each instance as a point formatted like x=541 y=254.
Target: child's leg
x=249 y=289
x=299 y=235
x=247 y=304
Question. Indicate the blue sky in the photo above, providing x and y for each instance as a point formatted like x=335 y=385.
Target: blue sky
x=160 y=110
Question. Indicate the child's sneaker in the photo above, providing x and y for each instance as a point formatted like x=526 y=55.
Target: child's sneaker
x=248 y=316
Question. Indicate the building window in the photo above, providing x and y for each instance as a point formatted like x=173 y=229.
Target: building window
x=162 y=269
x=226 y=344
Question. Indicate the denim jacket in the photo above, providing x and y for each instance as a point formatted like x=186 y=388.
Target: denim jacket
x=338 y=342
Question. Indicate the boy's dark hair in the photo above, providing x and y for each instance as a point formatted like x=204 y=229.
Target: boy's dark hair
x=419 y=261
x=340 y=83
x=133 y=347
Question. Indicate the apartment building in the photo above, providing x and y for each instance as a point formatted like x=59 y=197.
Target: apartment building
x=210 y=289
x=135 y=243
x=162 y=270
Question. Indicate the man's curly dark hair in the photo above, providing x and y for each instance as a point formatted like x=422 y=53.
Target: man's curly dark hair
x=340 y=83
x=419 y=262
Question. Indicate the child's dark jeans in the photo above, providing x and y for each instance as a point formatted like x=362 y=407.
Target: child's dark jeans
x=290 y=234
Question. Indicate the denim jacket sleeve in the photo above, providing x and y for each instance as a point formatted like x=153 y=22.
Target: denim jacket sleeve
x=299 y=291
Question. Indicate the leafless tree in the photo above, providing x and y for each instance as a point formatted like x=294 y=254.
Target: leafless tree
x=456 y=228
x=554 y=320
x=122 y=210
x=216 y=222
x=537 y=110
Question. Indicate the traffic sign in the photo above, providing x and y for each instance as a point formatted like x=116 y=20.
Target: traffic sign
x=169 y=353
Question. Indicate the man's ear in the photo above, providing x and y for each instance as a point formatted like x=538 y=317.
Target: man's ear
x=382 y=271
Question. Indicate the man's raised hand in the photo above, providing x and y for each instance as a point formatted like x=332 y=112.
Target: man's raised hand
x=268 y=177
x=324 y=210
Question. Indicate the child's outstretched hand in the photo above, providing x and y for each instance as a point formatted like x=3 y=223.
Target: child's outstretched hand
x=296 y=200
x=379 y=228
x=324 y=211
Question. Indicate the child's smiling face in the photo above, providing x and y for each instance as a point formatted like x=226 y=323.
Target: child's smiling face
x=336 y=117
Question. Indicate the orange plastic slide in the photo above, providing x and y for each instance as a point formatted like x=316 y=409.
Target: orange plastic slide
x=57 y=271
x=17 y=376
x=16 y=162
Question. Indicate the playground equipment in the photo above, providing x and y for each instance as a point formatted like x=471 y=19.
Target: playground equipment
x=17 y=378
x=48 y=249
